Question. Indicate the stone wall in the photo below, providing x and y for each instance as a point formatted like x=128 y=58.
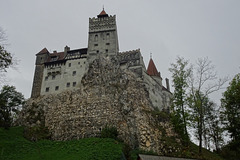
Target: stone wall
x=108 y=96
x=37 y=80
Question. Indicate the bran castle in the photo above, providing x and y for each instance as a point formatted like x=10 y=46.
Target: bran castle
x=59 y=71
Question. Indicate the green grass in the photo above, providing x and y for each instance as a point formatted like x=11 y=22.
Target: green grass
x=13 y=146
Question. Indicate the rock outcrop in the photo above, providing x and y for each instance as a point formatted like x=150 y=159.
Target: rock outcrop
x=108 y=96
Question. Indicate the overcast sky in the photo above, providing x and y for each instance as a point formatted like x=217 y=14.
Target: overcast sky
x=166 y=28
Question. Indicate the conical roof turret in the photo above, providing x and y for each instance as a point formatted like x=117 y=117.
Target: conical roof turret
x=102 y=14
x=152 y=70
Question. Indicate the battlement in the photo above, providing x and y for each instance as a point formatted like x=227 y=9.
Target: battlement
x=128 y=56
x=102 y=24
x=129 y=52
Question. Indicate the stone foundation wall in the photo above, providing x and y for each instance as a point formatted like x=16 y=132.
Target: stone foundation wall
x=108 y=96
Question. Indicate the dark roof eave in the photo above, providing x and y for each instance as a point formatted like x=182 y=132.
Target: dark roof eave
x=54 y=62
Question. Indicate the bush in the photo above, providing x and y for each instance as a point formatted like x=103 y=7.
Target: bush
x=36 y=133
x=109 y=132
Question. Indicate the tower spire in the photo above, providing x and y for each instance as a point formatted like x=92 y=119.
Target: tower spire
x=102 y=14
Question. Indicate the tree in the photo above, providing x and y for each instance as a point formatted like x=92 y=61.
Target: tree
x=6 y=59
x=180 y=74
x=214 y=126
x=231 y=104
x=203 y=82
x=10 y=101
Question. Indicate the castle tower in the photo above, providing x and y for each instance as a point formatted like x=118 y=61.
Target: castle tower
x=153 y=72
x=102 y=37
x=38 y=74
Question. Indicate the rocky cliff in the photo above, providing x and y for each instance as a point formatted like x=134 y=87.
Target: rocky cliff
x=109 y=96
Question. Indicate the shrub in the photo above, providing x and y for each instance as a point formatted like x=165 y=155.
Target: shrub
x=109 y=132
x=36 y=133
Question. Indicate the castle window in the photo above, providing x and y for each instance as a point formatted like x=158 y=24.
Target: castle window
x=56 y=88
x=53 y=77
x=69 y=64
x=96 y=37
x=78 y=62
x=107 y=44
x=74 y=73
x=108 y=35
x=95 y=45
x=47 y=89
x=106 y=50
x=74 y=84
x=84 y=62
x=97 y=51
x=46 y=78
x=68 y=84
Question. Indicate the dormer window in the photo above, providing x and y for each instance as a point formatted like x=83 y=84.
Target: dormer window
x=54 y=58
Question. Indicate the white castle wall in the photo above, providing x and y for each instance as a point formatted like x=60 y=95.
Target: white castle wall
x=160 y=98
x=63 y=75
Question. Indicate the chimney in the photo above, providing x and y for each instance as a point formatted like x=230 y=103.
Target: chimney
x=55 y=51
x=167 y=84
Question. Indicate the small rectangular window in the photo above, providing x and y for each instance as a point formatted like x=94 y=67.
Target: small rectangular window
x=74 y=84
x=68 y=84
x=107 y=44
x=97 y=51
x=95 y=44
x=96 y=37
x=47 y=89
x=78 y=62
x=56 y=88
x=74 y=73
x=46 y=78
x=53 y=77
x=69 y=64
x=106 y=50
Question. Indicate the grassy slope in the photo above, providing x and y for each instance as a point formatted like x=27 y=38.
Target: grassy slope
x=14 y=146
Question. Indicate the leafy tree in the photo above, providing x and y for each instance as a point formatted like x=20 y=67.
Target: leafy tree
x=6 y=58
x=10 y=101
x=203 y=82
x=214 y=126
x=180 y=74
x=231 y=103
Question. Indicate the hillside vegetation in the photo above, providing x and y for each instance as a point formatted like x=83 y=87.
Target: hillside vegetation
x=13 y=146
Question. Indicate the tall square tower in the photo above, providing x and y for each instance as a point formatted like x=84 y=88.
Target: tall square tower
x=102 y=37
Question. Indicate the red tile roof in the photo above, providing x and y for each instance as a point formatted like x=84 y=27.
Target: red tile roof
x=43 y=51
x=152 y=70
x=102 y=14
